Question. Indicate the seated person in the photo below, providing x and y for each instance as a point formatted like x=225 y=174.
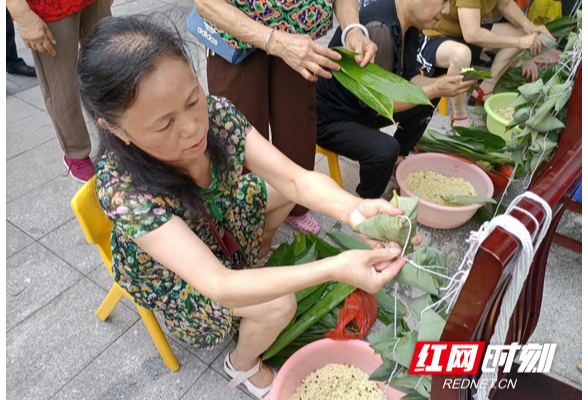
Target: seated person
x=170 y=168
x=347 y=126
x=460 y=37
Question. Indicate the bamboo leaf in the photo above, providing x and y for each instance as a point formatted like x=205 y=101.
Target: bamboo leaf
x=487 y=138
x=549 y=123
x=431 y=327
x=526 y=56
x=384 y=82
x=325 y=249
x=299 y=244
x=309 y=300
x=308 y=256
x=416 y=306
x=413 y=396
x=378 y=102
x=479 y=111
x=388 y=302
x=473 y=74
x=382 y=374
x=284 y=255
x=468 y=199
x=388 y=228
x=348 y=242
x=405 y=349
x=309 y=318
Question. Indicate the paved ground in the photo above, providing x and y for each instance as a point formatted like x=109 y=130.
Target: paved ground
x=57 y=348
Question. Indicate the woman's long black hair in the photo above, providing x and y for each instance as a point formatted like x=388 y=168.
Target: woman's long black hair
x=111 y=62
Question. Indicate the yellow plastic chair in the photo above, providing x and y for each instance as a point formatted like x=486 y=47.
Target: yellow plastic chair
x=333 y=160
x=97 y=228
x=442 y=102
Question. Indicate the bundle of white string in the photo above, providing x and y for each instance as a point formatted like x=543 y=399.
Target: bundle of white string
x=522 y=264
x=521 y=269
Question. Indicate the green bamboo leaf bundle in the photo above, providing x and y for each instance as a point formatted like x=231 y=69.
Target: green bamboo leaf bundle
x=473 y=74
x=526 y=56
x=388 y=228
x=406 y=382
x=431 y=328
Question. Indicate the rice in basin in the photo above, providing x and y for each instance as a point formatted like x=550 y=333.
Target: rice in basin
x=432 y=186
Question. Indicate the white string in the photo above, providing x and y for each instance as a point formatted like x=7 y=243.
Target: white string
x=522 y=264
x=457 y=281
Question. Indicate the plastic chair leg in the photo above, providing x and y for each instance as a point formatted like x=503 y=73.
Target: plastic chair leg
x=443 y=106
x=111 y=300
x=334 y=170
x=158 y=337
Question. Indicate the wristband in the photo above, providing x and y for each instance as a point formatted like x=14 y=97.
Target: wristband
x=349 y=27
x=267 y=38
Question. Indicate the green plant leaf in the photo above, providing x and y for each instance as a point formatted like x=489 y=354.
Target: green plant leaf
x=549 y=123
x=384 y=82
x=479 y=111
x=526 y=56
x=325 y=249
x=469 y=199
x=309 y=318
x=299 y=244
x=489 y=139
x=431 y=327
x=378 y=102
x=416 y=306
x=284 y=255
x=405 y=349
x=348 y=242
x=308 y=301
x=473 y=74
x=388 y=228
x=382 y=374
x=414 y=395
x=308 y=256
x=387 y=302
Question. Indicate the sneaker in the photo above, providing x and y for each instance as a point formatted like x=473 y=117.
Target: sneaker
x=81 y=169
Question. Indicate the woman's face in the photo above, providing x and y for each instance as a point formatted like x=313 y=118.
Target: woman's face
x=169 y=118
x=428 y=12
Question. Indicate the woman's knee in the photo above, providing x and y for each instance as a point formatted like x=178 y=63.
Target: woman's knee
x=461 y=55
x=282 y=309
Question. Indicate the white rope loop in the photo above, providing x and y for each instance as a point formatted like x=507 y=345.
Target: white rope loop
x=521 y=268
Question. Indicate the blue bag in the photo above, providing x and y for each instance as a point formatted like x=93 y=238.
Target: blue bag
x=211 y=39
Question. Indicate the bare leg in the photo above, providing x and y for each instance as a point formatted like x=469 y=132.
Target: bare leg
x=278 y=208
x=503 y=58
x=260 y=326
x=454 y=56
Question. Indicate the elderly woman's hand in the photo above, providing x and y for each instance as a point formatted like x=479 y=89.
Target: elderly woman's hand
x=529 y=28
x=303 y=55
x=451 y=86
x=530 y=70
x=356 y=41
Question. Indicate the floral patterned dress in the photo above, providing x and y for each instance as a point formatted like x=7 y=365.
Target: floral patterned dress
x=238 y=204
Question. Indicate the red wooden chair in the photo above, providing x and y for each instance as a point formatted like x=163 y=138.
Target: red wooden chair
x=476 y=310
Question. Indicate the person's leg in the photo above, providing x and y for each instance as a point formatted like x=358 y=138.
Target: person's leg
x=376 y=152
x=454 y=56
x=259 y=327
x=278 y=208
x=13 y=61
x=57 y=82
x=292 y=117
x=503 y=58
x=412 y=124
x=92 y=14
x=245 y=85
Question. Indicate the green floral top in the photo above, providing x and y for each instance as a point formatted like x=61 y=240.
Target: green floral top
x=305 y=17
x=239 y=201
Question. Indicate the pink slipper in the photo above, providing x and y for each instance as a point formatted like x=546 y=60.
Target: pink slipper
x=304 y=223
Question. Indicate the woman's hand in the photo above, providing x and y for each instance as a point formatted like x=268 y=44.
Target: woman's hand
x=532 y=42
x=367 y=208
x=370 y=270
x=303 y=55
x=529 y=28
x=450 y=86
x=36 y=34
x=530 y=70
x=356 y=41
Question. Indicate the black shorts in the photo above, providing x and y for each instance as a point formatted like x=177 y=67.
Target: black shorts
x=428 y=52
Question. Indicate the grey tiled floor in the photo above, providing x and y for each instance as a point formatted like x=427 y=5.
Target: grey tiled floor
x=57 y=348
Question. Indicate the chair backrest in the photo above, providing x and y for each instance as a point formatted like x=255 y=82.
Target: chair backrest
x=93 y=221
x=476 y=311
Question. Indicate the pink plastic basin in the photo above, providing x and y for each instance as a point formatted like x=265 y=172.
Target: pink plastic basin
x=320 y=353
x=434 y=215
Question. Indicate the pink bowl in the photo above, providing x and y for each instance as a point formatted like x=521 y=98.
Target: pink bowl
x=434 y=215
x=320 y=353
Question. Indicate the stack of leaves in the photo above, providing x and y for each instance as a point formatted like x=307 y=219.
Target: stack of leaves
x=540 y=112
x=318 y=306
x=396 y=342
x=486 y=150
x=375 y=86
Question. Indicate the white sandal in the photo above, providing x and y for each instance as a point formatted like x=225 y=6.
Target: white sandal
x=242 y=377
